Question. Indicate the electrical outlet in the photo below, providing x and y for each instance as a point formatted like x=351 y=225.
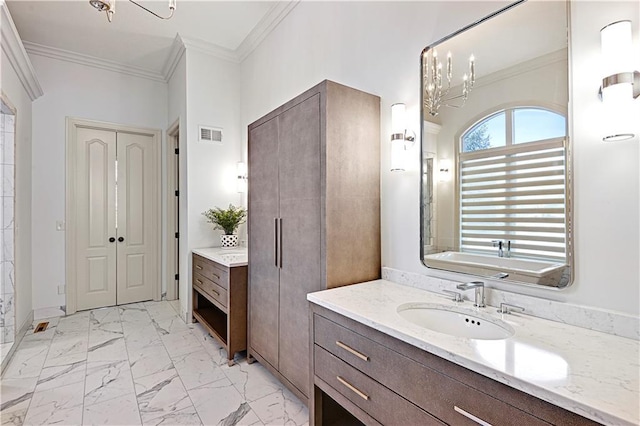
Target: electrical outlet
x=62 y=289
x=59 y=225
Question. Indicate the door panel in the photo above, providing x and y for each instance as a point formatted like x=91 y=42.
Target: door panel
x=300 y=209
x=264 y=275
x=95 y=209
x=136 y=218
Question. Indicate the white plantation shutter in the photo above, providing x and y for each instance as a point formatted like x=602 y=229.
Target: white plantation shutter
x=515 y=193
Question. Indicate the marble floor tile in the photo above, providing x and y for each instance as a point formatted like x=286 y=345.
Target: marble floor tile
x=26 y=362
x=106 y=346
x=196 y=369
x=186 y=416
x=160 y=310
x=55 y=377
x=107 y=380
x=253 y=381
x=170 y=326
x=151 y=359
x=160 y=394
x=281 y=408
x=137 y=364
x=228 y=402
x=58 y=405
x=118 y=411
x=180 y=343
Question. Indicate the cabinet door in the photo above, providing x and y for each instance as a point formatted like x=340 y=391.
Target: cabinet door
x=300 y=210
x=264 y=274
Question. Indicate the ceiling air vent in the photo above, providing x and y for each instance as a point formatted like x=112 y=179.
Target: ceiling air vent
x=210 y=134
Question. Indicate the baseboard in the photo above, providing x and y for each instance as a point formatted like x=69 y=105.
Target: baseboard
x=26 y=326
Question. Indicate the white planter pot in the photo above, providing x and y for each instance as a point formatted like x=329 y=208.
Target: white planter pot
x=229 y=241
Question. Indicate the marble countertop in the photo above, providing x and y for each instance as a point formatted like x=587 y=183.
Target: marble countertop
x=234 y=256
x=590 y=373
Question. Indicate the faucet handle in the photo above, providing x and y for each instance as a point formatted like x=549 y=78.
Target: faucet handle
x=457 y=297
x=497 y=243
x=506 y=308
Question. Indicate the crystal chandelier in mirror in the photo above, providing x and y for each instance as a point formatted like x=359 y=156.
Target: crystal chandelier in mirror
x=436 y=91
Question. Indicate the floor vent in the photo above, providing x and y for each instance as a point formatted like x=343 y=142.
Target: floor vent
x=41 y=327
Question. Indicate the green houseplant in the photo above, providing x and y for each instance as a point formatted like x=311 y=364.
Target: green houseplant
x=227 y=220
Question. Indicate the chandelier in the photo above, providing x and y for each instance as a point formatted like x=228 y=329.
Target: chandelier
x=109 y=6
x=435 y=93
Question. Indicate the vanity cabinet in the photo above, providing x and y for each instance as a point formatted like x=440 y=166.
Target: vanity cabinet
x=314 y=217
x=378 y=379
x=220 y=302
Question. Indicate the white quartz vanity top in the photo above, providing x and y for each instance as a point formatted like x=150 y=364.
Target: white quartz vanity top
x=590 y=373
x=234 y=256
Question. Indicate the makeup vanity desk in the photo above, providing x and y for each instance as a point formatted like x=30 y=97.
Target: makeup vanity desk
x=370 y=365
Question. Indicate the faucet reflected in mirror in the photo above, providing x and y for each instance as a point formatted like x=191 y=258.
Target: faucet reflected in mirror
x=502 y=178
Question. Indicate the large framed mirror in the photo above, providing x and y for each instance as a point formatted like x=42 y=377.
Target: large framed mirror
x=496 y=157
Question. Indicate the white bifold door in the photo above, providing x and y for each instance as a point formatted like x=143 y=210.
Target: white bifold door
x=116 y=217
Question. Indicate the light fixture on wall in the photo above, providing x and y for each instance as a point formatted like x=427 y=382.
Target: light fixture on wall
x=241 y=170
x=402 y=139
x=109 y=6
x=620 y=84
x=435 y=92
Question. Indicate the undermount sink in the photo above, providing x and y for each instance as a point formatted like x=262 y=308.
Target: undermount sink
x=455 y=321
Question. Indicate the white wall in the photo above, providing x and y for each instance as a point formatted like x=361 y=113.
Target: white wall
x=376 y=47
x=73 y=90
x=16 y=94
x=212 y=99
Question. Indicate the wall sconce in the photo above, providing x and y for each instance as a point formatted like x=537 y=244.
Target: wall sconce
x=621 y=84
x=241 y=170
x=444 y=170
x=402 y=139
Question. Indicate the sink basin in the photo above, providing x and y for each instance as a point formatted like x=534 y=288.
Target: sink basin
x=455 y=321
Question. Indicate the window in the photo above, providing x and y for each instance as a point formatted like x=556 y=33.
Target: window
x=512 y=181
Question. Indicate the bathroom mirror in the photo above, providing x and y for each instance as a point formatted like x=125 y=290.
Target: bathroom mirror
x=496 y=159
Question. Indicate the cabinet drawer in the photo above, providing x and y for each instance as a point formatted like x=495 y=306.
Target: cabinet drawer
x=381 y=403
x=424 y=386
x=211 y=288
x=211 y=271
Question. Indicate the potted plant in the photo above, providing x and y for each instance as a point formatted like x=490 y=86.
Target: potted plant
x=228 y=220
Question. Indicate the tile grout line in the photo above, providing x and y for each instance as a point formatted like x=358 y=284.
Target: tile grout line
x=135 y=393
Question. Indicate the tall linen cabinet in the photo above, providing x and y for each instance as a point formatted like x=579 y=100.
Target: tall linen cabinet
x=314 y=217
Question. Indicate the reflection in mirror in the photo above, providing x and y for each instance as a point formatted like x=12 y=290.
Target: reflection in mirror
x=496 y=168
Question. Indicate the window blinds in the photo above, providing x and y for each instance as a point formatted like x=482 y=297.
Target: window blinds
x=515 y=193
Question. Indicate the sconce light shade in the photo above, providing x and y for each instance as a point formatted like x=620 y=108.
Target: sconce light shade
x=620 y=83
x=241 y=169
x=401 y=138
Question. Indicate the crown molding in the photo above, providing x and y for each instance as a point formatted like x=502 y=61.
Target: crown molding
x=210 y=49
x=174 y=57
x=91 y=61
x=267 y=24
x=13 y=47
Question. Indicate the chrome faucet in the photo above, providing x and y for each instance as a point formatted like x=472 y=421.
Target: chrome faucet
x=501 y=245
x=479 y=287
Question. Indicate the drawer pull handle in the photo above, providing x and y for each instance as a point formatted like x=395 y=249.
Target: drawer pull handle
x=352 y=351
x=471 y=416
x=217 y=294
x=353 y=388
x=199 y=267
x=198 y=281
x=217 y=276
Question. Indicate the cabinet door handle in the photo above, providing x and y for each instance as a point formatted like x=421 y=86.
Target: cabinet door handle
x=275 y=240
x=199 y=267
x=471 y=416
x=352 y=351
x=280 y=243
x=353 y=388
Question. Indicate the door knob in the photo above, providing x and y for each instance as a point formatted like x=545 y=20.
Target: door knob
x=112 y=239
x=121 y=239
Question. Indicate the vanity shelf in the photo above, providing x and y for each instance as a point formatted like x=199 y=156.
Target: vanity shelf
x=220 y=302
